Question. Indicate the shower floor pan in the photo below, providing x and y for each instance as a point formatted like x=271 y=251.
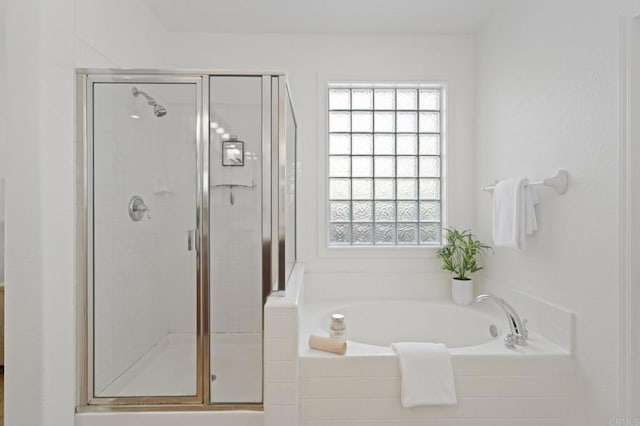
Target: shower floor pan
x=168 y=369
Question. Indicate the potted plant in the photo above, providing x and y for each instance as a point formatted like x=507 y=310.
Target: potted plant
x=459 y=256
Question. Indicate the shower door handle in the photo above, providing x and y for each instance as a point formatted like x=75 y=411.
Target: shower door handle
x=190 y=239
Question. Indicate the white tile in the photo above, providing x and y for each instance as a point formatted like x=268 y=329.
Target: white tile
x=280 y=416
x=354 y=366
x=280 y=372
x=517 y=366
x=272 y=394
x=516 y=386
x=289 y=394
x=349 y=387
x=280 y=394
x=284 y=326
x=471 y=408
x=443 y=422
x=466 y=386
x=277 y=349
x=349 y=366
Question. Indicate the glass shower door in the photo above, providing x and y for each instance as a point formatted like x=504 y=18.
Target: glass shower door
x=144 y=204
x=236 y=197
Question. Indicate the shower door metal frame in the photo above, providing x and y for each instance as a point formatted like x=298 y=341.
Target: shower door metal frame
x=274 y=89
x=86 y=83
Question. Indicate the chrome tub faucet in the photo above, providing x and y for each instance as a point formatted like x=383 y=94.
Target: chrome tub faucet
x=518 y=333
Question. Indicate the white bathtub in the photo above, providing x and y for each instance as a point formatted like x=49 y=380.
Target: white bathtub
x=381 y=323
x=535 y=383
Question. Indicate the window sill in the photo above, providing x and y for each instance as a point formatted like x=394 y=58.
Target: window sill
x=380 y=252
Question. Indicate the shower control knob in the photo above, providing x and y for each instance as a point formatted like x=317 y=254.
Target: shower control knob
x=137 y=208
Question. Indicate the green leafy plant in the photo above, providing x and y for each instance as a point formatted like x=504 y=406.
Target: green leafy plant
x=459 y=254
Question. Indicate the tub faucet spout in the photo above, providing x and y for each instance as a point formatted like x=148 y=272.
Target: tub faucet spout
x=518 y=333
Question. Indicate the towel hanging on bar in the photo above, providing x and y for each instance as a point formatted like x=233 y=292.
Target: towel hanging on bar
x=514 y=214
x=559 y=182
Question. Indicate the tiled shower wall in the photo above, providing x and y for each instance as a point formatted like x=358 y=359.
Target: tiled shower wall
x=235 y=258
x=144 y=275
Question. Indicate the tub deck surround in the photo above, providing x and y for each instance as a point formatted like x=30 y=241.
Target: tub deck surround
x=494 y=386
x=555 y=323
x=281 y=366
x=529 y=385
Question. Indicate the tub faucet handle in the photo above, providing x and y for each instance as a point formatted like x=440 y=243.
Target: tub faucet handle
x=523 y=334
x=510 y=341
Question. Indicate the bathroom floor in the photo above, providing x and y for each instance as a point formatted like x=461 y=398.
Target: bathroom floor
x=169 y=368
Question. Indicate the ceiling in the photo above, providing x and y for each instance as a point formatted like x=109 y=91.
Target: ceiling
x=324 y=16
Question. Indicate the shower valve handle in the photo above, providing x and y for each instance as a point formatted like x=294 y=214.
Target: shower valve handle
x=142 y=209
x=137 y=208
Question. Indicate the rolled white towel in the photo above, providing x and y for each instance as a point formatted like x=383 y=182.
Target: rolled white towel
x=327 y=344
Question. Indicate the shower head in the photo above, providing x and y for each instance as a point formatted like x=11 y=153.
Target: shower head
x=158 y=109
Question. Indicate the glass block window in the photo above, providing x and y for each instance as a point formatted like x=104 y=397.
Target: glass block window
x=384 y=165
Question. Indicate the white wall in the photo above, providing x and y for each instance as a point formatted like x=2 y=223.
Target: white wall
x=309 y=60
x=3 y=89
x=633 y=216
x=547 y=79
x=40 y=189
x=3 y=152
x=547 y=98
x=117 y=34
x=40 y=372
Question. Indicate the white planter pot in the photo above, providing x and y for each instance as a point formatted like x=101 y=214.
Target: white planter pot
x=462 y=291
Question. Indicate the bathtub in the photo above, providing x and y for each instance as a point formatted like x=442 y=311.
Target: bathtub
x=535 y=384
x=381 y=323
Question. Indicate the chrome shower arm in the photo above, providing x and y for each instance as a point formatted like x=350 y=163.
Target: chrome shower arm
x=136 y=92
x=158 y=109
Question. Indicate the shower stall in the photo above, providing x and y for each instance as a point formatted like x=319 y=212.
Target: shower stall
x=187 y=222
